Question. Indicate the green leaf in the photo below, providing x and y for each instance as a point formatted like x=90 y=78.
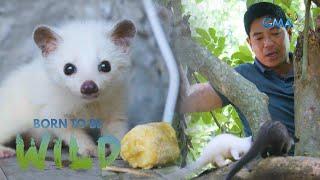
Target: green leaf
x=284 y=7
x=198 y=1
x=201 y=41
x=235 y=130
x=236 y=118
x=283 y=2
x=212 y=33
x=221 y=45
x=195 y=117
x=211 y=47
x=218 y=131
x=221 y=118
x=241 y=56
x=201 y=78
x=217 y=52
x=219 y=110
x=207 y=118
x=226 y=59
x=315 y=12
x=287 y=2
x=245 y=50
x=236 y=62
x=221 y=42
x=203 y=34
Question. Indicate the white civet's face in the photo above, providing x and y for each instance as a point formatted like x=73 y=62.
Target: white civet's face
x=85 y=58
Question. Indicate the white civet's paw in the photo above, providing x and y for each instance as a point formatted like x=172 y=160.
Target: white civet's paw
x=89 y=151
x=6 y=152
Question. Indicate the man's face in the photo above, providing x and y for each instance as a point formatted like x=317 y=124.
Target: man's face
x=268 y=44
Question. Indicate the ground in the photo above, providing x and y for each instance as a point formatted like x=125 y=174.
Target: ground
x=9 y=170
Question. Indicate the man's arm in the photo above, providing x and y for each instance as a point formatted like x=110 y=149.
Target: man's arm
x=201 y=98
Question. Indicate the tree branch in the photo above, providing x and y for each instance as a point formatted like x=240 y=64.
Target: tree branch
x=298 y=167
x=179 y=122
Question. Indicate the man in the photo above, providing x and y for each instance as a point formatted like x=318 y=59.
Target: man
x=271 y=73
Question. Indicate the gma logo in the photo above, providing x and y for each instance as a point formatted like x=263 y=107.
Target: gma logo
x=270 y=23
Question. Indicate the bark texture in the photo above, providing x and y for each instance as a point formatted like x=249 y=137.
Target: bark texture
x=307 y=98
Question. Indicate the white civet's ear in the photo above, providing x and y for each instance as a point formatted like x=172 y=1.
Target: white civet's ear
x=122 y=33
x=46 y=39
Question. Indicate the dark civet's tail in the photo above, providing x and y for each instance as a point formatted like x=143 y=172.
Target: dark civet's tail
x=258 y=145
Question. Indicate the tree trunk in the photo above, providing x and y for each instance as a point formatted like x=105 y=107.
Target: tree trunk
x=307 y=98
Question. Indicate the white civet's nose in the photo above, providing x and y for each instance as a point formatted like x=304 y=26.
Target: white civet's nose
x=89 y=87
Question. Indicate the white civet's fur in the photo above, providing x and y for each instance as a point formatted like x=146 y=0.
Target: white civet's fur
x=219 y=151
x=42 y=90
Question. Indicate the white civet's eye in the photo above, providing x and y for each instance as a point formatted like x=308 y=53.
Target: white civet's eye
x=69 y=69
x=104 y=66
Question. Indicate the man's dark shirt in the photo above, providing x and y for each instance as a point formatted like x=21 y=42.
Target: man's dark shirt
x=278 y=89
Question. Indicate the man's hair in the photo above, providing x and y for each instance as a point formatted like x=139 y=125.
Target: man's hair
x=261 y=9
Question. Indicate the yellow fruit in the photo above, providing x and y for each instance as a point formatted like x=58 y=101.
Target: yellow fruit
x=150 y=145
